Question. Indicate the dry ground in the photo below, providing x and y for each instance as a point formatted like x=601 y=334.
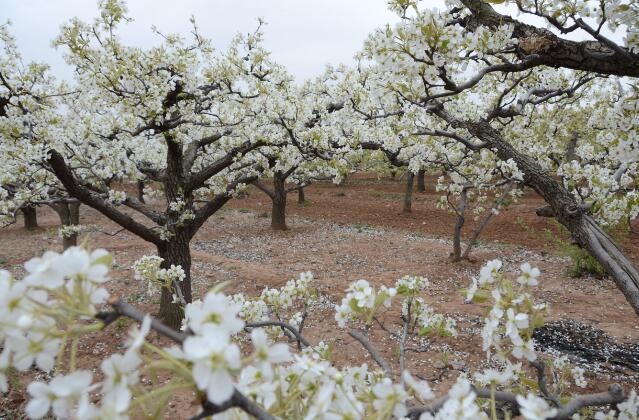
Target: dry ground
x=343 y=234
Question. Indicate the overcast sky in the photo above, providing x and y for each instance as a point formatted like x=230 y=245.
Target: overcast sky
x=303 y=35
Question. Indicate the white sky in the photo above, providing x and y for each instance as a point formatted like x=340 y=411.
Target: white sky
x=303 y=35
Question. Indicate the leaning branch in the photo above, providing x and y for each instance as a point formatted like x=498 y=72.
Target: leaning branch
x=94 y=200
x=378 y=358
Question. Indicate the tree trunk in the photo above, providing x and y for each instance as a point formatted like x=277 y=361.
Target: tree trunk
x=421 y=183
x=301 y=199
x=175 y=252
x=459 y=224
x=408 y=196
x=583 y=228
x=140 y=187
x=69 y=214
x=484 y=222
x=278 y=211
x=30 y=217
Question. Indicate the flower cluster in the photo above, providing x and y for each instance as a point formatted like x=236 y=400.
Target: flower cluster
x=36 y=324
x=147 y=269
x=53 y=306
x=514 y=314
x=116 y=197
x=362 y=300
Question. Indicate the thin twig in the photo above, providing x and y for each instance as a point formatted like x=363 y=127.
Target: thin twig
x=402 y=342
x=299 y=337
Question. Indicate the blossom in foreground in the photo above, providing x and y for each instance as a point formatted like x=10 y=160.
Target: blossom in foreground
x=266 y=355
x=528 y=275
x=214 y=358
x=60 y=395
x=489 y=271
x=389 y=395
x=532 y=407
x=460 y=404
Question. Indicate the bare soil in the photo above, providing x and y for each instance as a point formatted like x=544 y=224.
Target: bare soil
x=345 y=233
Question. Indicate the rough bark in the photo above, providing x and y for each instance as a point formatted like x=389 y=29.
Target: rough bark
x=278 y=210
x=459 y=225
x=408 y=195
x=421 y=182
x=539 y=46
x=30 y=217
x=301 y=198
x=175 y=252
x=584 y=230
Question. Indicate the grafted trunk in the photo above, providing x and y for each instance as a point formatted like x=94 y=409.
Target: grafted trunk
x=69 y=214
x=583 y=228
x=408 y=195
x=459 y=225
x=301 y=199
x=140 y=188
x=175 y=252
x=278 y=211
x=30 y=217
x=421 y=182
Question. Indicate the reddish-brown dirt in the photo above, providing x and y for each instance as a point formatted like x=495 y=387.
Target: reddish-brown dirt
x=344 y=233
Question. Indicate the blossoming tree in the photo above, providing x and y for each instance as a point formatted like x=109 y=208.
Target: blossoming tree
x=433 y=63
x=180 y=117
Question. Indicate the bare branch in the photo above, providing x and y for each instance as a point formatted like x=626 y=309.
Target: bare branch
x=378 y=358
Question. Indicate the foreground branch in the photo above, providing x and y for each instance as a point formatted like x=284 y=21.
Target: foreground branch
x=378 y=358
x=299 y=337
x=614 y=395
x=237 y=400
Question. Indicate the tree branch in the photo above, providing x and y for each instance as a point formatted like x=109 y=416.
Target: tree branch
x=92 y=199
x=378 y=358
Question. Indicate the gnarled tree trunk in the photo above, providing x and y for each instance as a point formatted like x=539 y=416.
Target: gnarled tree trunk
x=301 y=199
x=30 y=217
x=408 y=195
